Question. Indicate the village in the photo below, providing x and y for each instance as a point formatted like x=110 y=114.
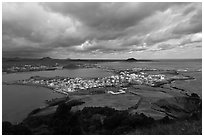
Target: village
x=67 y=85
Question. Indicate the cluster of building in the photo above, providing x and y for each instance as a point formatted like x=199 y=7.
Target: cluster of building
x=66 y=85
x=142 y=78
x=144 y=69
x=26 y=67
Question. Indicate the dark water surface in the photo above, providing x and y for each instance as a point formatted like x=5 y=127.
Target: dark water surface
x=20 y=100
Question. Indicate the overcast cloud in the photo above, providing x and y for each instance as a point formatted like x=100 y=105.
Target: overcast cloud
x=102 y=30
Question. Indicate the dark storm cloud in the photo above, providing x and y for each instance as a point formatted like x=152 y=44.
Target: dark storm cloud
x=193 y=25
x=111 y=16
x=189 y=10
x=37 y=29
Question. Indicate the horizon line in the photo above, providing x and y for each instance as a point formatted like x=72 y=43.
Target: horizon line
x=104 y=58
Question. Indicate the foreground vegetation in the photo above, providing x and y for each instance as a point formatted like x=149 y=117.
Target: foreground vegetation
x=103 y=120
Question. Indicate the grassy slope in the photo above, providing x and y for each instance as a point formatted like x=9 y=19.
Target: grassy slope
x=186 y=127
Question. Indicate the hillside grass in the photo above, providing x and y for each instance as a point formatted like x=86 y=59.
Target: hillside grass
x=186 y=127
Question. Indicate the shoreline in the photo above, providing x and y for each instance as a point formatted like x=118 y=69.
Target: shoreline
x=61 y=92
x=105 y=69
x=6 y=72
x=39 y=85
x=34 y=85
x=156 y=84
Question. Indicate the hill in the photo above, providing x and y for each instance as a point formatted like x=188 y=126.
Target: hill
x=131 y=59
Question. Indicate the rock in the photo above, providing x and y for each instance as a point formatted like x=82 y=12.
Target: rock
x=195 y=95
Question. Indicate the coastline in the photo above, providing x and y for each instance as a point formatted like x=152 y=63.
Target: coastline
x=6 y=72
x=46 y=113
x=94 y=98
x=34 y=85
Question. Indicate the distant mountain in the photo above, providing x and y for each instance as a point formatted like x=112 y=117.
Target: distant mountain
x=46 y=58
x=68 y=59
x=131 y=59
x=138 y=60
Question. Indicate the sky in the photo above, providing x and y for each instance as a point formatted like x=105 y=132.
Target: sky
x=102 y=30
